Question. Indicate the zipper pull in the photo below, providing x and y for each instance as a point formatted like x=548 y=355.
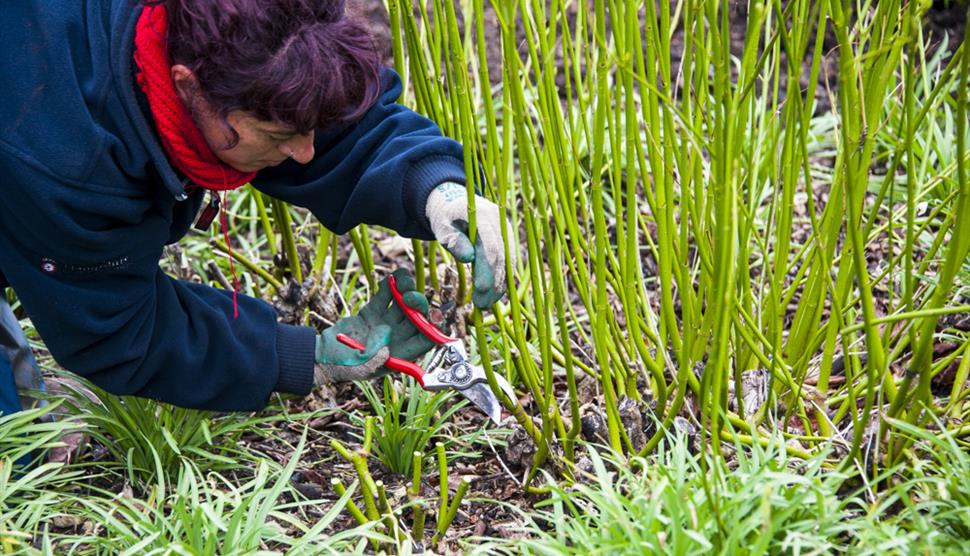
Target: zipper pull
x=208 y=213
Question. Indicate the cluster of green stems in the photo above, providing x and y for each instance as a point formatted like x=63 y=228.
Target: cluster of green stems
x=674 y=224
x=377 y=508
x=608 y=154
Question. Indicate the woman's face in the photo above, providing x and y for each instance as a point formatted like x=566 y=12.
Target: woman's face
x=260 y=143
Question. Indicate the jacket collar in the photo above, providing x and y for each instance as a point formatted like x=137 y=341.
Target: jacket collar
x=124 y=18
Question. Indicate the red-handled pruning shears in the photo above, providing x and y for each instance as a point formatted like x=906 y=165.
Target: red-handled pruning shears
x=448 y=364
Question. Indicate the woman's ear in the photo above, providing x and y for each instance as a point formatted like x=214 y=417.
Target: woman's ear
x=185 y=82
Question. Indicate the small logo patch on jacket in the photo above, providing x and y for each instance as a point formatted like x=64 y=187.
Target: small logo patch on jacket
x=50 y=266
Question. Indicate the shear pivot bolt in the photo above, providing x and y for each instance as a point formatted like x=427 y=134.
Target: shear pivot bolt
x=461 y=374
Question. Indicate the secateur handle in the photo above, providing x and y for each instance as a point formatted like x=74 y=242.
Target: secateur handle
x=393 y=363
x=417 y=318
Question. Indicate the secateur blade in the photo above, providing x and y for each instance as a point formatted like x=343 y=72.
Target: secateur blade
x=448 y=368
x=485 y=400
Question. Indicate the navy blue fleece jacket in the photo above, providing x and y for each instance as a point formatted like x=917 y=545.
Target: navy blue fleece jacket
x=88 y=200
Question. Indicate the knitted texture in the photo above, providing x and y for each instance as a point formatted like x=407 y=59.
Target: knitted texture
x=180 y=136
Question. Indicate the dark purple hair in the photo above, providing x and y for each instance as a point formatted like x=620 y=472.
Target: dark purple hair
x=298 y=62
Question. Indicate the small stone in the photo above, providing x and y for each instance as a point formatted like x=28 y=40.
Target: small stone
x=520 y=448
x=481 y=526
x=65 y=521
x=684 y=427
x=587 y=388
x=593 y=426
x=322 y=398
x=584 y=466
x=632 y=420
x=754 y=391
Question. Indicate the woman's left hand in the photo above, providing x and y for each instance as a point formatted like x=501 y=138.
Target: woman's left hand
x=447 y=211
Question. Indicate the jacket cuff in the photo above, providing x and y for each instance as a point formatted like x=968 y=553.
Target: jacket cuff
x=425 y=175
x=295 y=346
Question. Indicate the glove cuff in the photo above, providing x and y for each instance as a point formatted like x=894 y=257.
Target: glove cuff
x=325 y=373
x=425 y=175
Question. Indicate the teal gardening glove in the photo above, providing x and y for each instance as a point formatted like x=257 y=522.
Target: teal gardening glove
x=447 y=212
x=384 y=330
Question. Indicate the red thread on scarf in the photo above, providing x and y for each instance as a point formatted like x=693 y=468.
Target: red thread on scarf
x=223 y=223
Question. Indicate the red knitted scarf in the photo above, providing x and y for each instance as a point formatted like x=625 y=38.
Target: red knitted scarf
x=182 y=139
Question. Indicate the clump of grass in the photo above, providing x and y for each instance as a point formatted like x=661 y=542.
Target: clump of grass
x=679 y=503
x=151 y=440
x=407 y=422
x=26 y=435
x=759 y=501
x=30 y=497
x=930 y=508
x=209 y=513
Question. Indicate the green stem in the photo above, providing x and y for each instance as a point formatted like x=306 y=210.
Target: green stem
x=250 y=265
x=445 y=523
x=281 y=215
x=339 y=488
